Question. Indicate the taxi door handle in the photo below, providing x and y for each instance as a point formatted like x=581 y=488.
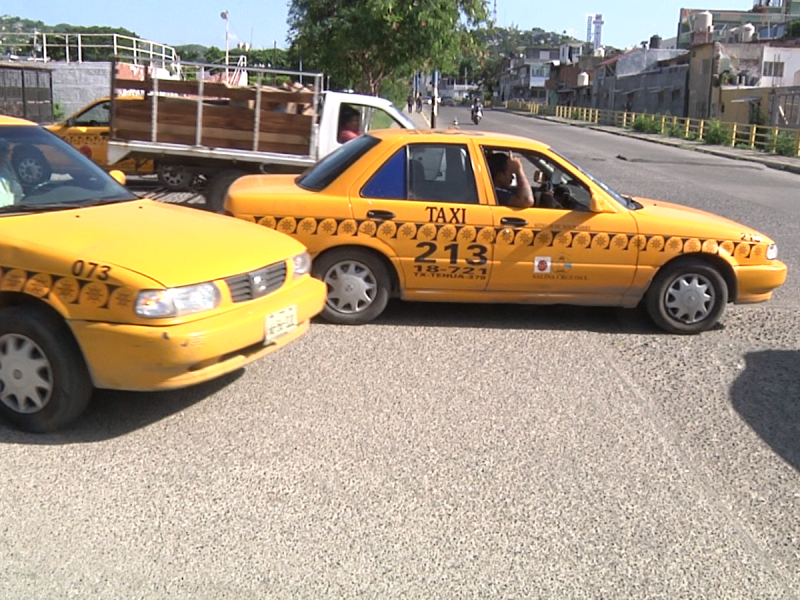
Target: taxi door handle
x=380 y=214
x=513 y=221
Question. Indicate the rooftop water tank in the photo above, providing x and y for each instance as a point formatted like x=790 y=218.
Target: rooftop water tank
x=655 y=42
x=703 y=22
x=747 y=32
x=583 y=79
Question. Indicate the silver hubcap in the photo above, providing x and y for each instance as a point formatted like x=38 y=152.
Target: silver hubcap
x=351 y=286
x=175 y=176
x=30 y=171
x=26 y=378
x=690 y=298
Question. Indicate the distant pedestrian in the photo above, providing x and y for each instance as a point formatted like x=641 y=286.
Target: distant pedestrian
x=410 y=102
x=419 y=103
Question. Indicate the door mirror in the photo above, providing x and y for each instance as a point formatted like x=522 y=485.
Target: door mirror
x=118 y=176
x=598 y=204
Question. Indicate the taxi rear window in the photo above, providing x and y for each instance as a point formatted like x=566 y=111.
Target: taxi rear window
x=325 y=172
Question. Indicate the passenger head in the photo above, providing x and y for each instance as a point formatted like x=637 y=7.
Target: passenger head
x=349 y=118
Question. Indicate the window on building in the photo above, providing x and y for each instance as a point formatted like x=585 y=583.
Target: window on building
x=773 y=69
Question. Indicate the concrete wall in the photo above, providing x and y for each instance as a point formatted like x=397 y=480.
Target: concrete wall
x=77 y=84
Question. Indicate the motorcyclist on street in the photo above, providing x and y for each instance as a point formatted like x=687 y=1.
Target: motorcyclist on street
x=476 y=105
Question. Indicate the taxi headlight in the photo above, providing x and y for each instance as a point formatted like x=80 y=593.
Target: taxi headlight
x=301 y=265
x=772 y=252
x=176 y=302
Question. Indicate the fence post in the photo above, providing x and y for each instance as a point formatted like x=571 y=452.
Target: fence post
x=774 y=141
x=797 y=144
x=753 y=133
x=733 y=135
x=701 y=129
x=663 y=124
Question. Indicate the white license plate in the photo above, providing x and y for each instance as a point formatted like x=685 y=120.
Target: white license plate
x=279 y=324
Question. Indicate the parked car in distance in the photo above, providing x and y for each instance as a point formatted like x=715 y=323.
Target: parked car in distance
x=416 y=215
x=448 y=101
x=101 y=289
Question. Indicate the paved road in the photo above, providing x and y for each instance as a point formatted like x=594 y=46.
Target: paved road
x=450 y=451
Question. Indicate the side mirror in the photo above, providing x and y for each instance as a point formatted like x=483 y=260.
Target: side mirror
x=118 y=176
x=598 y=205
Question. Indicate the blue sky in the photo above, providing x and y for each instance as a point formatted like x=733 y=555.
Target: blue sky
x=263 y=22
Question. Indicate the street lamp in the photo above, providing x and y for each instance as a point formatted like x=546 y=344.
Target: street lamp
x=224 y=15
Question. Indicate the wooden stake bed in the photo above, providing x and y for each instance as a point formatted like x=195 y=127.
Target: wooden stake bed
x=214 y=116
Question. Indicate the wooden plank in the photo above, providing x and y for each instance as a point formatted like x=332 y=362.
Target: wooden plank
x=221 y=143
x=143 y=129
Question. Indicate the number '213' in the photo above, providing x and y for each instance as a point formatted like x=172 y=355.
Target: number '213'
x=478 y=251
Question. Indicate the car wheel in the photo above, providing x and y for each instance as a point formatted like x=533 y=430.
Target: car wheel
x=687 y=297
x=357 y=282
x=218 y=188
x=31 y=166
x=175 y=178
x=44 y=382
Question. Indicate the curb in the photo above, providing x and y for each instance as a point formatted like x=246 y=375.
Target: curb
x=791 y=168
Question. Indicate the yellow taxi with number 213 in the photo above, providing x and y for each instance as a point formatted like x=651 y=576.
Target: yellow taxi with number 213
x=416 y=214
x=101 y=289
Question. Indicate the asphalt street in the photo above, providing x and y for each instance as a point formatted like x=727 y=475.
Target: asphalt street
x=450 y=451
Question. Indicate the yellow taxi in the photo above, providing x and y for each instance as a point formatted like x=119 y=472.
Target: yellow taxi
x=88 y=131
x=101 y=289
x=416 y=215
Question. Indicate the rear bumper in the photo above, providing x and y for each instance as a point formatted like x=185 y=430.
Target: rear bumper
x=141 y=358
x=756 y=284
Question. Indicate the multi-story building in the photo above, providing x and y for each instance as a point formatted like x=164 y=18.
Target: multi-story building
x=526 y=73
x=767 y=17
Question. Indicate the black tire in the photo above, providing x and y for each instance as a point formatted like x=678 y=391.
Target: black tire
x=175 y=178
x=218 y=188
x=30 y=166
x=695 y=308
x=36 y=347
x=362 y=276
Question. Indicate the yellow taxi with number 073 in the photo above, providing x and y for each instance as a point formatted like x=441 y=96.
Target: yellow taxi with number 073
x=480 y=217
x=102 y=289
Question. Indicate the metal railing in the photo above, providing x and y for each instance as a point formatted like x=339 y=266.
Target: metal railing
x=84 y=47
x=765 y=138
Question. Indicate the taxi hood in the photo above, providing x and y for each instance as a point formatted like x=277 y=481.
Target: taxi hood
x=656 y=216
x=172 y=245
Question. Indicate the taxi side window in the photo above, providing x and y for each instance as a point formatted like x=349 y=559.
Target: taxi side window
x=94 y=117
x=389 y=182
x=441 y=173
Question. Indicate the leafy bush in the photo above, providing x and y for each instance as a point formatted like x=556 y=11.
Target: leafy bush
x=716 y=133
x=59 y=113
x=646 y=124
x=785 y=144
x=675 y=130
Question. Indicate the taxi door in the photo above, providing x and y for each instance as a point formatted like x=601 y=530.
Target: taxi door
x=560 y=252
x=88 y=132
x=423 y=203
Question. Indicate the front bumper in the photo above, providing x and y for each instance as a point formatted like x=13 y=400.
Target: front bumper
x=142 y=358
x=756 y=283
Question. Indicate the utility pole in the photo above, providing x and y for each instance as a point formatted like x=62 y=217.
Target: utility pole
x=434 y=98
x=224 y=15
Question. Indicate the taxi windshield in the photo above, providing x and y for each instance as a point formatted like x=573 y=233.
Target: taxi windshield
x=41 y=172
x=615 y=195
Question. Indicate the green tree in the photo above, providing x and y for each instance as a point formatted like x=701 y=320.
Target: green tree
x=361 y=43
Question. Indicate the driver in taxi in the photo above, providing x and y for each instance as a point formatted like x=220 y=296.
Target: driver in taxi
x=503 y=168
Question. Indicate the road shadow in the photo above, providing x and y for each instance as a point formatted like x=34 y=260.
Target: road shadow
x=767 y=396
x=111 y=414
x=518 y=316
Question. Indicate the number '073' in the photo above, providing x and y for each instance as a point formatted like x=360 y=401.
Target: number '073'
x=90 y=270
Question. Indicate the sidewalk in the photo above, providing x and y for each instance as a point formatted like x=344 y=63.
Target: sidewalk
x=773 y=161
x=421 y=120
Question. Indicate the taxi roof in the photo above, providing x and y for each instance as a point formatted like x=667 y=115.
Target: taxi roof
x=8 y=120
x=446 y=135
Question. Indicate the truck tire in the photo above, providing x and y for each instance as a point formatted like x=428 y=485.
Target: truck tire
x=44 y=382
x=30 y=166
x=218 y=188
x=175 y=178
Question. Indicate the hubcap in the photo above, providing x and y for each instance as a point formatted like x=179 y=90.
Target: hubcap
x=175 y=176
x=351 y=287
x=30 y=171
x=690 y=298
x=26 y=377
